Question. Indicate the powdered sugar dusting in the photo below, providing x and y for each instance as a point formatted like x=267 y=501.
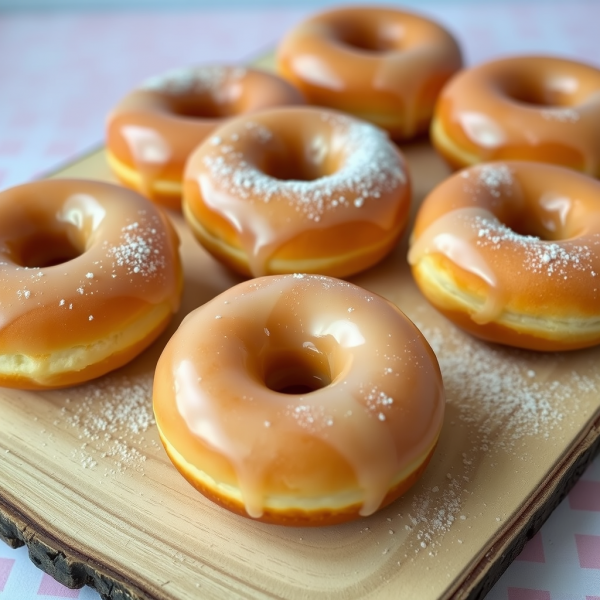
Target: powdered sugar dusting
x=111 y=416
x=139 y=250
x=371 y=167
x=497 y=179
x=195 y=79
x=376 y=401
x=541 y=256
x=561 y=114
x=494 y=388
x=499 y=397
x=313 y=417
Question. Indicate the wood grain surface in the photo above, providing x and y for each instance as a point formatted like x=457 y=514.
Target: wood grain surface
x=85 y=483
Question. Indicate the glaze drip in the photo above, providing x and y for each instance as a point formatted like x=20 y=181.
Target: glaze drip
x=379 y=413
x=358 y=175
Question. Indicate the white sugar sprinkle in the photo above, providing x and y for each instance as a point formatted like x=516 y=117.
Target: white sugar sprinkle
x=113 y=412
x=498 y=403
x=140 y=248
x=561 y=114
x=195 y=79
x=497 y=179
x=542 y=256
x=370 y=168
x=495 y=383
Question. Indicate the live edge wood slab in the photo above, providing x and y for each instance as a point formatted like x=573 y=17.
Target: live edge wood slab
x=86 y=485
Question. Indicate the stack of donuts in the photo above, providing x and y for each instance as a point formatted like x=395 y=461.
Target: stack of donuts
x=296 y=397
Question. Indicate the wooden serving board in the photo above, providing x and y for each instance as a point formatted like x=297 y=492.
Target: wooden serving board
x=85 y=483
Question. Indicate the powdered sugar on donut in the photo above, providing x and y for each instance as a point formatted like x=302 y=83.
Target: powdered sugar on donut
x=496 y=179
x=371 y=167
x=140 y=248
x=276 y=176
x=562 y=114
x=196 y=79
x=551 y=258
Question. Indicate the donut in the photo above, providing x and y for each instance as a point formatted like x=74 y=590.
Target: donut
x=380 y=64
x=297 y=189
x=152 y=131
x=90 y=277
x=510 y=252
x=299 y=400
x=521 y=108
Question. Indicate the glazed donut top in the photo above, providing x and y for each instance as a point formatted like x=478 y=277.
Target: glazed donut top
x=527 y=108
x=76 y=250
x=372 y=62
x=275 y=174
x=529 y=232
x=372 y=392
x=157 y=126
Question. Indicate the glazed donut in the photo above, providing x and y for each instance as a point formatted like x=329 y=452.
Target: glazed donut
x=297 y=190
x=152 y=131
x=510 y=251
x=90 y=277
x=380 y=64
x=522 y=108
x=299 y=400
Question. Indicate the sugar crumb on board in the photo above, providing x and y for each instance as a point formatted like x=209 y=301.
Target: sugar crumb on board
x=497 y=389
x=499 y=397
x=111 y=416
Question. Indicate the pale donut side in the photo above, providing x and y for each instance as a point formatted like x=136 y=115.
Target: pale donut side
x=380 y=64
x=357 y=430
x=538 y=108
x=153 y=129
x=510 y=251
x=297 y=190
x=91 y=275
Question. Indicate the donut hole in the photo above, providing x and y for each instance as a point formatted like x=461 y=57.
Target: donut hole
x=538 y=94
x=279 y=167
x=296 y=372
x=288 y=164
x=543 y=224
x=43 y=249
x=534 y=229
x=289 y=160
x=202 y=106
x=369 y=36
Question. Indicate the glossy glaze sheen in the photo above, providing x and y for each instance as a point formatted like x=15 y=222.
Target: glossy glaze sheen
x=297 y=190
x=338 y=449
x=511 y=251
x=152 y=131
x=117 y=258
x=526 y=108
x=380 y=64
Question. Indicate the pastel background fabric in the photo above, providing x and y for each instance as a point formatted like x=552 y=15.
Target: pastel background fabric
x=61 y=72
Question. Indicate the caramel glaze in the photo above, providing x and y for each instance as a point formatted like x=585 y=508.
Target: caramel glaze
x=297 y=190
x=299 y=399
x=82 y=265
x=152 y=131
x=380 y=64
x=510 y=251
x=525 y=108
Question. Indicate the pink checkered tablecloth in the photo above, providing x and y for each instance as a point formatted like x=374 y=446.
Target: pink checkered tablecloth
x=60 y=74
